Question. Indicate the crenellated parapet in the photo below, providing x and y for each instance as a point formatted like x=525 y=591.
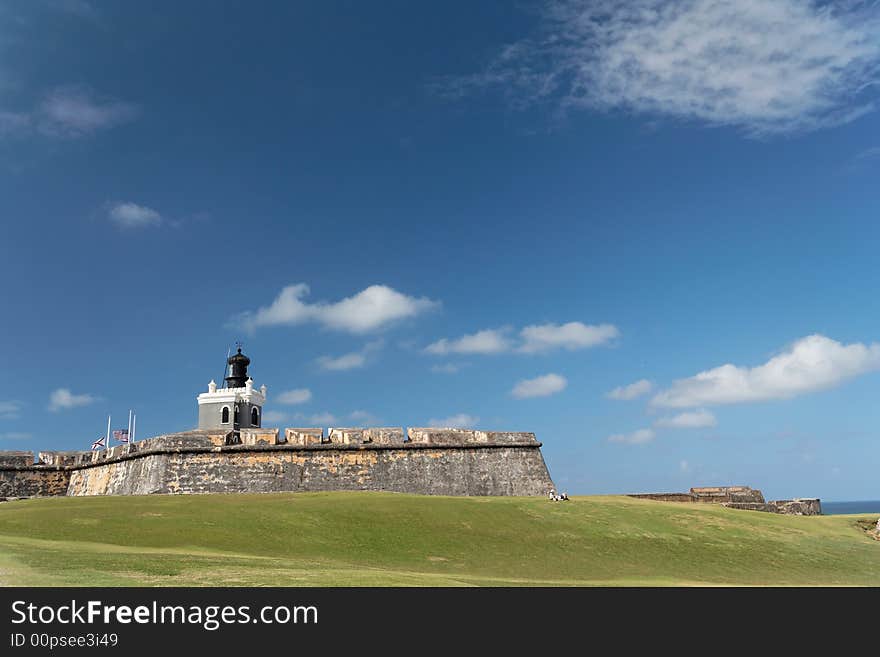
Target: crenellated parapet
x=434 y=461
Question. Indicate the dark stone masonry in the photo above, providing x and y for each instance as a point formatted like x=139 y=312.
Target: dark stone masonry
x=424 y=461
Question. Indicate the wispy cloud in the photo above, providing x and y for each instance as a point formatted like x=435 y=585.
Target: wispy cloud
x=687 y=420
x=293 y=397
x=371 y=309
x=79 y=8
x=639 y=437
x=542 y=386
x=447 y=368
x=570 y=336
x=274 y=416
x=323 y=419
x=458 y=421
x=488 y=341
x=351 y=360
x=872 y=153
x=15 y=435
x=539 y=338
x=767 y=67
x=77 y=112
x=9 y=409
x=132 y=215
x=363 y=418
x=69 y=113
x=810 y=364
x=632 y=391
x=63 y=399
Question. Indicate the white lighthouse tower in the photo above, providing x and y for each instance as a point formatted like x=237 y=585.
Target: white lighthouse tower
x=237 y=405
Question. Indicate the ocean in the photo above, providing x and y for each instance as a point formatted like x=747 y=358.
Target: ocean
x=838 y=508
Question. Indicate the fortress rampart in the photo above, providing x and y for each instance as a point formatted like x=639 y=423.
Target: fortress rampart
x=739 y=497
x=421 y=460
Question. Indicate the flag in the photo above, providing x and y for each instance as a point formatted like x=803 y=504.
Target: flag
x=99 y=443
x=121 y=435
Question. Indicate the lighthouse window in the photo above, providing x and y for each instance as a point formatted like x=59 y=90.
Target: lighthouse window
x=255 y=417
x=224 y=415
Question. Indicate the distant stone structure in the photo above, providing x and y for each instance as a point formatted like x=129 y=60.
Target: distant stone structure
x=231 y=452
x=740 y=497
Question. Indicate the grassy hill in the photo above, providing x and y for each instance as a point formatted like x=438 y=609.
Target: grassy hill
x=391 y=539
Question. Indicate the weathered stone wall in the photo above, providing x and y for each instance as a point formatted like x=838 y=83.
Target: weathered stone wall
x=797 y=507
x=430 y=461
x=721 y=494
x=739 y=497
x=34 y=481
x=12 y=459
x=665 y=497
x=449 y=470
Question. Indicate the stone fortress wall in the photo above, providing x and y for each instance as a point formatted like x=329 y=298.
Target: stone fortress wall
x=421 y=460
x=740 y=497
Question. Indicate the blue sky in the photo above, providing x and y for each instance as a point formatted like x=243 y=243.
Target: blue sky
x=475 y=213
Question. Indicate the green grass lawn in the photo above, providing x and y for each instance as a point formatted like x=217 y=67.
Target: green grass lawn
x=365 y=539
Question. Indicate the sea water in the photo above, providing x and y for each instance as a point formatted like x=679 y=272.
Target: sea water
x=837 y=508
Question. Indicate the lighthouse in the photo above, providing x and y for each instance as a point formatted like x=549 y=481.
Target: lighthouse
x=238 y=405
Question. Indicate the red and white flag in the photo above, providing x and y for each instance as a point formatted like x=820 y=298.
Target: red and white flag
x=99 y=443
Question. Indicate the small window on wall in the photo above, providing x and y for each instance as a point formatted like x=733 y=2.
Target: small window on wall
x=255 y=417
x=224 y=415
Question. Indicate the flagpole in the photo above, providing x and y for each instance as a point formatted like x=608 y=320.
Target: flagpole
x=133 y=427
x=225 y=368
x=107 y=446
x=129 y=427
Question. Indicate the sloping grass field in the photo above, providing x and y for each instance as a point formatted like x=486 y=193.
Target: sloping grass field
x=367 y=539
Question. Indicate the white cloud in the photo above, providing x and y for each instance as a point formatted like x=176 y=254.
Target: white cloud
x=370 y=309
x=688 y=420
x=542 y=386
x=570 y=336
x=810 y=364
x=633 y=390
x=684 y=466
x=15 y=435
x=63 y=399
x=10 y=409
x=296 y=396
x=532 y=339
x=446 y=368
x=349 y=361
x=132 y=215
x=459 y=421
x=363 y=418
x=79 y=8
x=769 y=67
x=66 y=112
x=274 y=416
x=322 y=419
x=77 y=112
x=488 y=341
x=869 y=153
x=639 y=437
x=14 y=123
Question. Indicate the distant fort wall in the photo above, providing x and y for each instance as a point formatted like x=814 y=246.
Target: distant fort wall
x=739 y=497
x=422 y=460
